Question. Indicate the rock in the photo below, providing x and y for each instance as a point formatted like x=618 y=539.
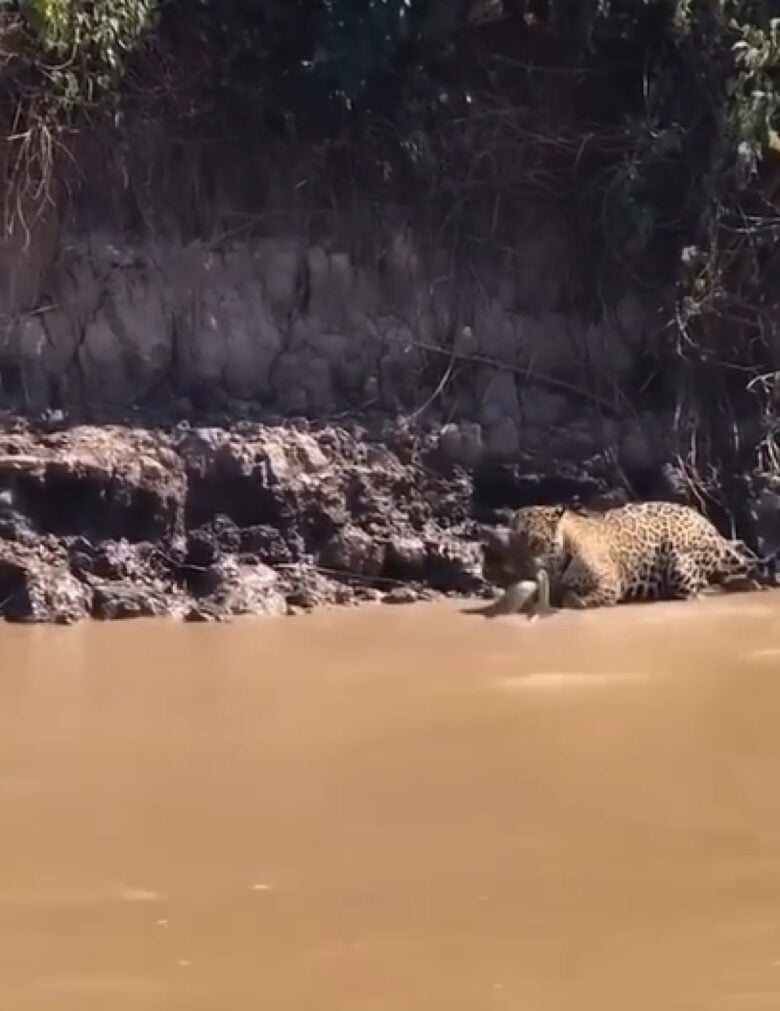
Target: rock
x=112 y=601
x=14 y=525
x=322 y=513
x=405 y=558
x=52 y=420
x=268 y=545
x=353 y=551
x=304 y=598
x=14 y=528
x=454 y=567
x=80 y=545
x=202 y=549
x=401 y=595
x=225 y=533
x=345 y=595
x=81 y=564
x=308 y=454
x=33 y=589
x=241 y=589
x=113 y=560
x=112 y=482
x=202 y=613
x=306 y=588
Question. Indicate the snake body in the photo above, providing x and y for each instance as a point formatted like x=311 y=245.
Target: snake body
x=528 y=596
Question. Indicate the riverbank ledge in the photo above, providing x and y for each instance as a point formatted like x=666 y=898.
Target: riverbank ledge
x=204 y=522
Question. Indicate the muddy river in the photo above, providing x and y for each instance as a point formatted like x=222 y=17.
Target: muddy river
x=394 y=810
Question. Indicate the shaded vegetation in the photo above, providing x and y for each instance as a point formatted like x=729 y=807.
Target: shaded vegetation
x=649 y=121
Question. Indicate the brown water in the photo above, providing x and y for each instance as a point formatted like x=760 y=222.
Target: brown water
x=394 y=810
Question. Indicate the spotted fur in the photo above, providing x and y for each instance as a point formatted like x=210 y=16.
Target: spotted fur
x=641 y=551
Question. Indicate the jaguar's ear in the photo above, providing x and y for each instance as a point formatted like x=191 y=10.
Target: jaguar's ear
x=558 y=512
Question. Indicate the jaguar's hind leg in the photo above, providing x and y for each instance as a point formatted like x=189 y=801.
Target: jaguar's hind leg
x=585 y=585
x=685 y=577
x=735 y=570
x=741 y=584
x=585 y=601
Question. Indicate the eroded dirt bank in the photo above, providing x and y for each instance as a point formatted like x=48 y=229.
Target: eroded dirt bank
x=208 y=522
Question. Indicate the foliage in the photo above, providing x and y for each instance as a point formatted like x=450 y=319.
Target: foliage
x=82 y=45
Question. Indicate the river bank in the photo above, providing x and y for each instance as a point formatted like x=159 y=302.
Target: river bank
x=208 y=522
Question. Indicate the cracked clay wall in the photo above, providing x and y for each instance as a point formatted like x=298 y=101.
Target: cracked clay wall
x=255 y=302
